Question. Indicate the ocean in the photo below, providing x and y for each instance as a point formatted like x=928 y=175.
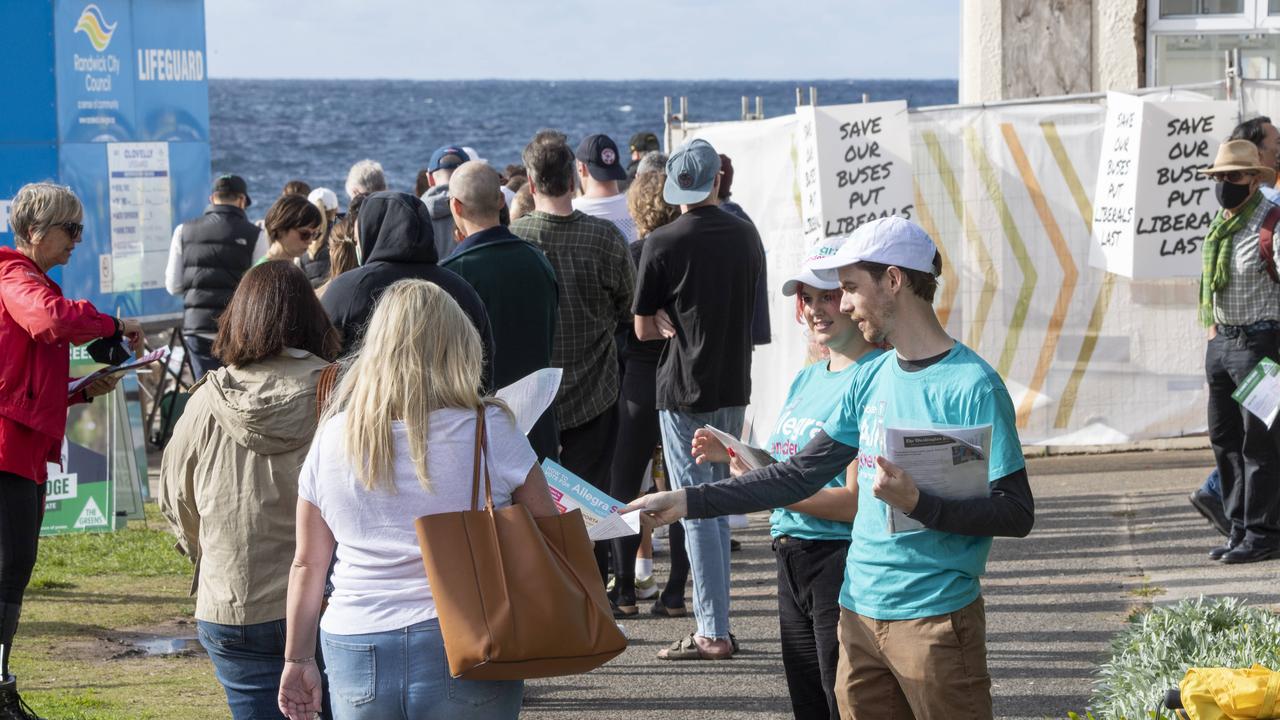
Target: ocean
x=272 y=131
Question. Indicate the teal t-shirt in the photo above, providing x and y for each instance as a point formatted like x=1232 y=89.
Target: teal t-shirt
x=814 y=395
x=918 y=573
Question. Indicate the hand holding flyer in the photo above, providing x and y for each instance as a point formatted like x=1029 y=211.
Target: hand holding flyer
x=599 y=511
x=79 y=384
x=949 y=463
x=754 y=457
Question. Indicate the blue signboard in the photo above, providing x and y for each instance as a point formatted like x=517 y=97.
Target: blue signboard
x=119 y=110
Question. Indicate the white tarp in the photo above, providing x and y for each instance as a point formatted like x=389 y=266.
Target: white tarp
x=1090 y=357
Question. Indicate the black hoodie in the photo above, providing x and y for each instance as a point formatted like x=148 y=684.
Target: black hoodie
x=396 y=242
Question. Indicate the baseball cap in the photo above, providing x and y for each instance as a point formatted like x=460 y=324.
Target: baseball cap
x=888 y=241
x=232 y=185
x=825 y=249
x=447 y=158
x=600 y=154
x=645 y=142
x=691 y=172
x=324 y=196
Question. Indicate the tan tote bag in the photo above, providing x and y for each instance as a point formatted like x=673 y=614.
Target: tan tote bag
x=518 y=597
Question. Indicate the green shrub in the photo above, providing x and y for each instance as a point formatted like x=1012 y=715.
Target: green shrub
x=1153 y=654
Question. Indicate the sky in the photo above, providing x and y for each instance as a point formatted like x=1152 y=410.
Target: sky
x=584 y=39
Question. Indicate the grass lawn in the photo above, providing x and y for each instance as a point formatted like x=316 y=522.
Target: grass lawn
x=90 y=598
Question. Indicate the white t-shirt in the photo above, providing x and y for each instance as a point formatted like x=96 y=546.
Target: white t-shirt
x=379 y=581
x=613 y=208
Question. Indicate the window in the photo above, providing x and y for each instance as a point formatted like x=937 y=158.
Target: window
x=1187 y=40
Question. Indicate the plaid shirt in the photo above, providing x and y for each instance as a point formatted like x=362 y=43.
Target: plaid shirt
x=1250 y=295
x=597 y=282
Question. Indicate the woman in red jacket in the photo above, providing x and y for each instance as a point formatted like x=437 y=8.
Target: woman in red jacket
x=37 y=327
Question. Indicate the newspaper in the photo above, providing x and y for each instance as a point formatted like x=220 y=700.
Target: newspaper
x=599 y=511
x=950 y=463
x=754 y=457
x=78 y=384
x=530 y=396
x=1259 y=392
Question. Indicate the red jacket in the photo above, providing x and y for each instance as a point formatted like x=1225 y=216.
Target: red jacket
x=37 y=327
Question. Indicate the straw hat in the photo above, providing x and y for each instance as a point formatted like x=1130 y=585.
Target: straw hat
x=1239 y=156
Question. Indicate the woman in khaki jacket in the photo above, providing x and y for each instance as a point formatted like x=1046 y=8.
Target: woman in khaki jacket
x=229 y=477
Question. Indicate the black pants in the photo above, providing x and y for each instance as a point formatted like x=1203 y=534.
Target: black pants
x=810 y=573
x=21 y=512
x=587 y=451
x=1246 y=450
x=638 y=436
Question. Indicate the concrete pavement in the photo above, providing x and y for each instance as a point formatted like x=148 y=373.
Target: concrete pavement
x=1113 y=533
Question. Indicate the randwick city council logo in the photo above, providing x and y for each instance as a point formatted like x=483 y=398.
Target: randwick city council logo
x=96 y=27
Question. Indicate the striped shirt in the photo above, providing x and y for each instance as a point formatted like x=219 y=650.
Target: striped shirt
x=1250 y=295
x=597 y=282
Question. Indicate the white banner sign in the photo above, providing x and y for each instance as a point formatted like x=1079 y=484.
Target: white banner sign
x=1152 y=208
x=141 y=217
x=854 y=164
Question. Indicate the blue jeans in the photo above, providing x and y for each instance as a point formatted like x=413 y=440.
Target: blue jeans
x=1213 y=484
x=706 y=540
x=200 y=349
x=404 y=674
x=248 y=661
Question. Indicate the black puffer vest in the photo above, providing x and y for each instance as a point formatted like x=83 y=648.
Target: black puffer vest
x=217 y=250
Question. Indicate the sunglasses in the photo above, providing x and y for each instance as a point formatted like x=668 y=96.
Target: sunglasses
x=73 y=229
x=1236 y=177
x=307 y=235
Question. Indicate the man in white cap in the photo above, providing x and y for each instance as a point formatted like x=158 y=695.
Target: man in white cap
x=912 y=623
x=696 y=286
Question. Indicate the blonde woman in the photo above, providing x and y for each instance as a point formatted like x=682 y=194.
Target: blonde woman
x=396 y=443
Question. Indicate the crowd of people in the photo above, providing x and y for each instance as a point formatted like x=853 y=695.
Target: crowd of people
x=295 y=496
x=645 y=284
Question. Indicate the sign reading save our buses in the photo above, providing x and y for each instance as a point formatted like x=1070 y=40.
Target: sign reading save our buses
x=133 y=141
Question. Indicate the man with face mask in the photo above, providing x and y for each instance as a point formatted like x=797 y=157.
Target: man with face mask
x=1240 y=303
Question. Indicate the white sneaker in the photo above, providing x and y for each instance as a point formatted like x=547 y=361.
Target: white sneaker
x=646 y=588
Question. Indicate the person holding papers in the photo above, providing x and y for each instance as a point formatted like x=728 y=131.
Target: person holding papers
x=37 y=328
x=1240 y=304
x=912 y=625
x=810 y=537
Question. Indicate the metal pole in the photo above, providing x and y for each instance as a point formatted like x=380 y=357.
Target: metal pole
x=813 y=95
x=866 y=97
x=799 y=98
x=666 y=123
x=759 y=108
x=684 y=112
x=744 y=107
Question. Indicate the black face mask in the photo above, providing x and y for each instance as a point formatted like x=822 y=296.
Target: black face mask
x=1231 y=195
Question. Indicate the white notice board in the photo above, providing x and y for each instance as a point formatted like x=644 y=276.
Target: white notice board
x=854 y=165
x=1151 y=208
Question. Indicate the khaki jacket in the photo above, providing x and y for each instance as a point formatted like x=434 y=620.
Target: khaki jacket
x=229 y=483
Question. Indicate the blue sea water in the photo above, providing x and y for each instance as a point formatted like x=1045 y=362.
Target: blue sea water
x=271 y=131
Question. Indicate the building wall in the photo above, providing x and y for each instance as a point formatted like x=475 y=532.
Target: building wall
x=1047 y=47
x=1014 y=49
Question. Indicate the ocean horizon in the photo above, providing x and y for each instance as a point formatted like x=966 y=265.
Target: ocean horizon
x=273 y=131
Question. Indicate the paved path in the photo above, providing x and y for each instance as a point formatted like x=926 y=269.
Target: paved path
x=1113 y=533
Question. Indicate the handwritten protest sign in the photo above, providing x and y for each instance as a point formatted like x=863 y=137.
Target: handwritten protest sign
x=854 y=164
x=1151 y=208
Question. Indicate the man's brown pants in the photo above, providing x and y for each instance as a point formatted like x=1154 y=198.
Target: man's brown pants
x=932 y=668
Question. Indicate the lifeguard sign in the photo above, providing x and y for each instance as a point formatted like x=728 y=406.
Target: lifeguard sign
x=114 y=103
x=1151 y=208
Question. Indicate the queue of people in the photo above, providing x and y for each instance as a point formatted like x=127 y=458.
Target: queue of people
x=648 y=299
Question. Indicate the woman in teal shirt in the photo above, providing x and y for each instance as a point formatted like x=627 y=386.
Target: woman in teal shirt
x=811 y=537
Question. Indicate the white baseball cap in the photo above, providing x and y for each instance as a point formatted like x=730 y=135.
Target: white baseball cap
x=324 y=196
x=825 y=249
x=888 y=241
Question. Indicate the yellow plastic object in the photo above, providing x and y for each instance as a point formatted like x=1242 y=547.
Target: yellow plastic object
x=1231 y=694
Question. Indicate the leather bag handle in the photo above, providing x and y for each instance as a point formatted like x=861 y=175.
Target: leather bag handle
x=482 y=448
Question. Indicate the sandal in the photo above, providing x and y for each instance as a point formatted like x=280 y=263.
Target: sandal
x=686 y=648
